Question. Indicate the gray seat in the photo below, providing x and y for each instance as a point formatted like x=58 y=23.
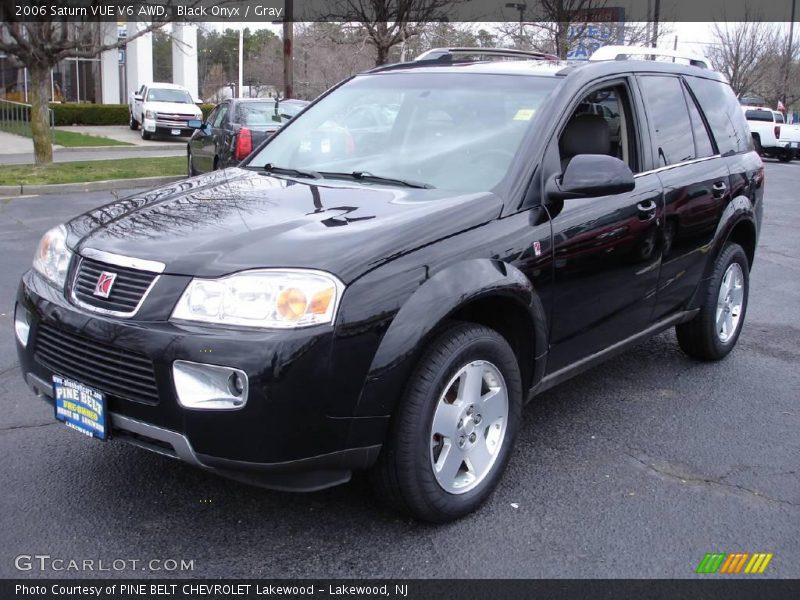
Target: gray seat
x=584 y=134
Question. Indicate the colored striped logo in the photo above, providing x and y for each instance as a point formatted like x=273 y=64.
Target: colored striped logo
x=736 y=562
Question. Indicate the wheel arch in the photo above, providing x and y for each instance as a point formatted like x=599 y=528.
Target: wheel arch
x=485 y=291
x=737 y=224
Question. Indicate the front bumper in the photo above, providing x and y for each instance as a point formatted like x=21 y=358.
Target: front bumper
x=291 y=433
x=166 y=127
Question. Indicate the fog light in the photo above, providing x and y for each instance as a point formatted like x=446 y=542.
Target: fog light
x=209 y=387
x=22 y=325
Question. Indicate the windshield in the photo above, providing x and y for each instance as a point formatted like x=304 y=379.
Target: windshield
x=452 y=131
x=169 y=95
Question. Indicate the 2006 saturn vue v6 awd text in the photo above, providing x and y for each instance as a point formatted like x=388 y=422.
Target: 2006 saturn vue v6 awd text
x=384 y=294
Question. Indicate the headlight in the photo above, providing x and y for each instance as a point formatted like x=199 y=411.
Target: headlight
x=282 y=298
x=149 y=114
x=52 y=256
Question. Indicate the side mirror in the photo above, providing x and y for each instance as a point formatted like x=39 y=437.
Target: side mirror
x=137 y=97
x=194 y=124
x=589 y=175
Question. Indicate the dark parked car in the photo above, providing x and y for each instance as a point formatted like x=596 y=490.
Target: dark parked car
x=331 y=306
x=233 y=129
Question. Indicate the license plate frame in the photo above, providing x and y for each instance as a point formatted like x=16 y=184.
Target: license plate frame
x=175 y=131
x=80 y=407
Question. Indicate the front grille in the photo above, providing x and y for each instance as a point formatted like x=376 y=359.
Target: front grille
x=127 y=291
x=119 y=373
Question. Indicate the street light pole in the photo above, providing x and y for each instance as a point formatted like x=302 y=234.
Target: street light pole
x=241 y=58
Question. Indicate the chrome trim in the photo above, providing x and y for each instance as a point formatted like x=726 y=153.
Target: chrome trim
x=236 y=402
x=104 y=311
x=153 y=266
x=680 y=164
x=178 y=441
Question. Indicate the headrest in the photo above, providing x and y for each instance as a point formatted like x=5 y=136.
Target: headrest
x=585 y=134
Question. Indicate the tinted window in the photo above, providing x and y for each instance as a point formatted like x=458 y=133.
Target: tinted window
x=220 y=116
x=702 y=142
x=723 y=113
x=778 y=117
x=759 y=115
x=667 y=112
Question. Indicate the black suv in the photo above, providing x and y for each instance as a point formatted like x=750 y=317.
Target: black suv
x=386 y=291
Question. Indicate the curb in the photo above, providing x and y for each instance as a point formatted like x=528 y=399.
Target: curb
x=148 y=147
x=90 y=186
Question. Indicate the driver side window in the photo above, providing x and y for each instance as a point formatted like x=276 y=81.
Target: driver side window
x=600 y=124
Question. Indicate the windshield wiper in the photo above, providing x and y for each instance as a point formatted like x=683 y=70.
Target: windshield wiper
x=367 y=176
x=272 y=169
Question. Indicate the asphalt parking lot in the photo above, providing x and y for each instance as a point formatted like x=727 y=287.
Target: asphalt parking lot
x=634 y=469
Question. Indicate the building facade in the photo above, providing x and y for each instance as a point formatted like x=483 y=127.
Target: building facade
x=112 y=76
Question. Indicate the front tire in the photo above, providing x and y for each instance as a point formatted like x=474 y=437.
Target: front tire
x=452 y=434
x=713 y=333
x=145 y=135
x=133 y=123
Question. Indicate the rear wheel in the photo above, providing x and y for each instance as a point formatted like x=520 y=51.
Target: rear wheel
x=757 y=144
x=713 y=333
x=786 y=155
x=190 y=162
x=452 y=435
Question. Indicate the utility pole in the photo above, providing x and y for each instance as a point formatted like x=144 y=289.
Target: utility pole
x=788 y=61
x=288 y=50
x=656 y=15
x=521 y=7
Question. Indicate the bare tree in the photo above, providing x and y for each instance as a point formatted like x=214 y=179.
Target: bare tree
x=742 y=52
x=386 y=23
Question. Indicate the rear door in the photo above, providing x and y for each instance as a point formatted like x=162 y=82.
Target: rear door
x=696 y=186
x=606 y=250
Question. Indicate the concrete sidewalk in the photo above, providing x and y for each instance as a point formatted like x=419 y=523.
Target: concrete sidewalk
x=18 y=150
x=16 y=144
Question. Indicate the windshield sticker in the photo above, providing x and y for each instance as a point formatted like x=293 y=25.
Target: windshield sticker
x=524 y=114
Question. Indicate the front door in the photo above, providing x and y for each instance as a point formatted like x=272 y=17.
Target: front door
x=607 y=249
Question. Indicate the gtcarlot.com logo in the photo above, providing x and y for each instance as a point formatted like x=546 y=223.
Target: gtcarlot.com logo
x=45 y=562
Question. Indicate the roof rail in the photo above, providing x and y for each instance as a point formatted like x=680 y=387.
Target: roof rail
x=644 y=52
x=449 y=54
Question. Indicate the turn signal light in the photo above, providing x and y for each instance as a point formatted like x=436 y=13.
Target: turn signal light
x=291 y=304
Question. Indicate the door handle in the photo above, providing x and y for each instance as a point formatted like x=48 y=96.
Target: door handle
x=719 y=189
x=647 y=210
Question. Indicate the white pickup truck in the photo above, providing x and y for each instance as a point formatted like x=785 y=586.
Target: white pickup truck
x=771 y=135
x=162 y=108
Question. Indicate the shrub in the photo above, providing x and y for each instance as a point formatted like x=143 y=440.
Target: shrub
x=90 y=114
x=100 y=114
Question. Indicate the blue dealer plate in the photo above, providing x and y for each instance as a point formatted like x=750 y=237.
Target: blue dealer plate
x=80 y=407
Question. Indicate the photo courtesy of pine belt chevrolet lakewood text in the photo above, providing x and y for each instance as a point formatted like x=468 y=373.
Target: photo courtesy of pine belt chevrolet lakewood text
x=389 y=277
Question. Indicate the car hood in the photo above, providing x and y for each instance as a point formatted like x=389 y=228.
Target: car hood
x=180 y=108
x=237 y=219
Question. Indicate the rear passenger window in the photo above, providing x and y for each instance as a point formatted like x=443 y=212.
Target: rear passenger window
x=724 y=115
x=667 y=112
x=702 y=143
